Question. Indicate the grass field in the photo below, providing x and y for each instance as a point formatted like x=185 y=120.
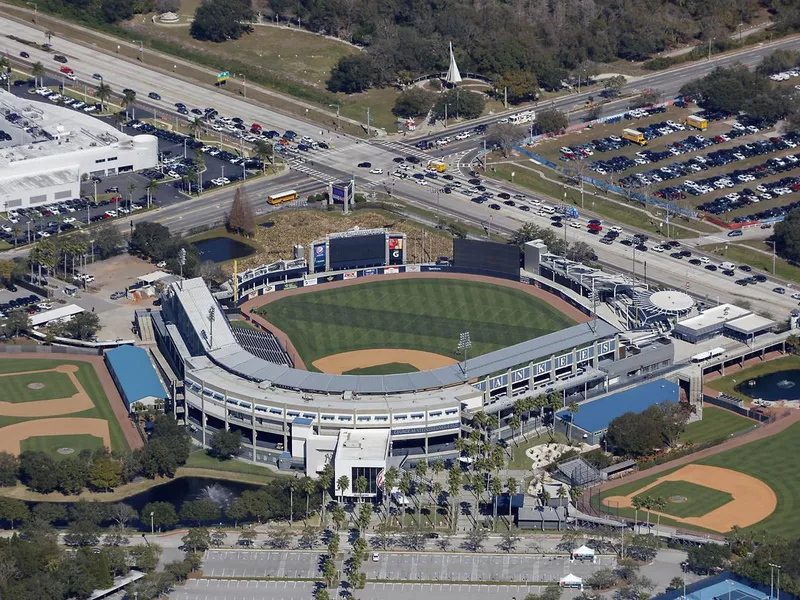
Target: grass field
x=384 y=369
x=88 y=379
x=51 y=443
x=416 y=314
x=14 y=388
x=728 y=383
x=769 y=459
x=717 y=424
x=699 y=500
x=741 y=254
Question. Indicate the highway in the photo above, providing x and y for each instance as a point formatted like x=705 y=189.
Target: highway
x=340 y=162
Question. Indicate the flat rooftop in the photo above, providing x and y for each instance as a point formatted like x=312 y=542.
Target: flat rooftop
x=750 y=324
x=367 y=445
x=51 y=130
x=717 y=315
x=595 y=415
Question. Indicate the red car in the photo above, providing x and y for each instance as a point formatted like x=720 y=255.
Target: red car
x=595 y=227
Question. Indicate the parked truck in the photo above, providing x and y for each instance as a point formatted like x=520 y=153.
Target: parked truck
x=697 y=122
x=632 y=135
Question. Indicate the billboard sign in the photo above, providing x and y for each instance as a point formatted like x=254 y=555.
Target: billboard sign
x=350 y=275
x=320 y=257
x=224 y=76
x=395 y=250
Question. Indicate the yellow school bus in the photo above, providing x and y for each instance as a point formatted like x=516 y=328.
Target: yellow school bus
x=437 y=166
x=282 y=197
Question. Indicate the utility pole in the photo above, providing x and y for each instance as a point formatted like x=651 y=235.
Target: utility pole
x=369 y=130
x=445 y=115
x=505 y=97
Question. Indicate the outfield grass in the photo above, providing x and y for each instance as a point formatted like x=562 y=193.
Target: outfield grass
x=51 y=443
x=384 y=369
x=728 y=383
x=88 y=379
x=417 y=314
x=717 y=424
x=700 y=500
x=14 y=388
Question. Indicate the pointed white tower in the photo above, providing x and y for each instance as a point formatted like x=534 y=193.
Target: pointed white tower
x=453 y=76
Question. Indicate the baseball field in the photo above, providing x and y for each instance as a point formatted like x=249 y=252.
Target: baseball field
x=58 y=406
x=754 y=485
x=407 y=324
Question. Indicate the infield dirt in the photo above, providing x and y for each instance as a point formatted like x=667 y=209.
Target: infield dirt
x=14 y=434
x=753 y=500
x=347 y=361
x=45 y=408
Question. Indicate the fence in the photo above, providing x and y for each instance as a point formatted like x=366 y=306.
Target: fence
x=39 y=349
x=734 y=405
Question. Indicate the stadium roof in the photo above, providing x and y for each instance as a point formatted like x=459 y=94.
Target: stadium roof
x=135 y=374
x=227 y=353
x=595 y=415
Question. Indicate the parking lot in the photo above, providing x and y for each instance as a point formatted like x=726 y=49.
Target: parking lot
x=210 y=589
x=401 y=566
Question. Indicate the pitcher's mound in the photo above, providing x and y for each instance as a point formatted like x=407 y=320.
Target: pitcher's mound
x=66 y=450
x=35 y=386
x=677 y=499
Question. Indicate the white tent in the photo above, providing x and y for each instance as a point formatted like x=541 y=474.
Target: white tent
x=453 y=75
x=571 y=581
x=583 y=553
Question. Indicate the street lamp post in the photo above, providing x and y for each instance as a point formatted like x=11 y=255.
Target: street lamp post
x=244 y=84
x=512 y=177
x=709 y=47
x=772 y=567
x=141 y=49
x=35 y=11
x=152 y=524
x=338 y=107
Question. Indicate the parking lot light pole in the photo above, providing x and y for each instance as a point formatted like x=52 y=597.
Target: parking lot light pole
x=152 y=526
x=35 y=11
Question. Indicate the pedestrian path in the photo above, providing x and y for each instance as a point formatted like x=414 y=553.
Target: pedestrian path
x=404 y=149
x=299 y=165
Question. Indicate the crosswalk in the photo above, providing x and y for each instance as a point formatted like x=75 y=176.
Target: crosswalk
x=299 y=165
x=404 y=149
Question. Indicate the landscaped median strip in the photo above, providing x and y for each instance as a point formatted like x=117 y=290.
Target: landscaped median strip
x=375 y=580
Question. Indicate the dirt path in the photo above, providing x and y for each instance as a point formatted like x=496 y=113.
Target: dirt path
x=115 y=400
x=358 y=359
x=247 y=308
x=753 y=500
x=14 y=434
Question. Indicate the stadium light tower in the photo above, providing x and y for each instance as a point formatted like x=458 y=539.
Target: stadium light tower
x=464 y=344
x=181 y=262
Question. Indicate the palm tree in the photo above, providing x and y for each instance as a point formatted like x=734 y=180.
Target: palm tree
x=103 y=92
x=514 y=424
x=325 y=482
x=637 y=503
x=360 y=487
x=341 y=485
x=308 y=487
x=562 y=494
x=544 y=497
x=511 y=486
x=495 y=488
x=453 y=487
x=572 y=409
x=37 y=70
x=128 y=100
x=292 y=487
x=659 y=504
x=196 y=124
x=49 y=34
x=151 y=188
x=389 y=481
x=460 y=445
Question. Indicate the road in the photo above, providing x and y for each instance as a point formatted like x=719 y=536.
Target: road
x=339 y=163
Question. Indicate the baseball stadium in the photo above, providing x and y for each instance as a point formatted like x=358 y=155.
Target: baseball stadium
x=358 y=356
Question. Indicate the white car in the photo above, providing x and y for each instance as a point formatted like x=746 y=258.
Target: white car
x=111 y=213
x=71 y=76
x=376 y=171
x=161 y=264
x=616 y=229
x=375 y=557
x=6 y=228
x=575 y=225
x=69 y=220
x=422 y=182
x=796 y=295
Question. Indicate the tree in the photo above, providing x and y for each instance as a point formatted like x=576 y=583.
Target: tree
x=199 y=511
x=787 y=236
x=632 y=434
x=221 y=20
x=413 y=102
x=241 y=218
x=505 y=136
x=707 y=558
x=248 y=536
x=517 y=86
x=602 y=579
x=339 y=516
x=105 y=473
x=49 y=512
x=459 y=103
x=649 y=97
x=153 y=240
x=9 y=467
x=308 y=538
x=551 y=592
x=552 y=120
x=13 y=511
x=342 y=485
x=83 y=326
x=613 y=85
x=103 y=93
x=225 y=444
x=475 y=539
x=122 y=514
x=16 y=322
x=108 y=240
x=163 y=515
x=581 y=252
x=351 y=75
x=572 y=409
x=37 y=70
x=508 y=541
x=198 y=539
x=676 y=583
x=38 y=471
x=279 y=538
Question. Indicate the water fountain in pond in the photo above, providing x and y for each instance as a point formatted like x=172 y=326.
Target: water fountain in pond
x=785 y=384
x=218 y=494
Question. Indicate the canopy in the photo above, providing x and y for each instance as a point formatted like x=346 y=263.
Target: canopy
x=583 y=551
x=571 y=581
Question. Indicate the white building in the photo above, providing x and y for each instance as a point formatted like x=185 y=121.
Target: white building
x=360 y=453
x=52 y=147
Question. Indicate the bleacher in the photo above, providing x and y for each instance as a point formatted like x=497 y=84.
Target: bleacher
x=262 y=344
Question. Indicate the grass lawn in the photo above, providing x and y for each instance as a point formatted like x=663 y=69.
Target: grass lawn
x=199 y=459
x=51 y=443
x=385 y=369
x=15 y=388
x=717 y=424
x=728 y=383
x=601 y=205
x=519 y=459
x=758 y=260
x=417 y=314
x=243 y=325
x=88 y=379
x=699 y=500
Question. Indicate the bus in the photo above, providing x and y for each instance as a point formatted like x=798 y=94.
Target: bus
x=696 y=121
x=282 y=197
x=437 y=165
